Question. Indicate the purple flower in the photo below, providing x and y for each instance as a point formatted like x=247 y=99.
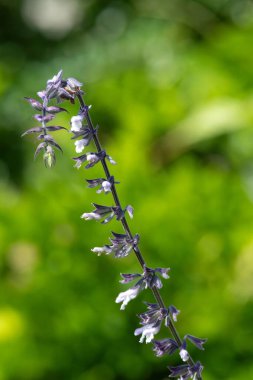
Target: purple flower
x=105 y=184
x=153 y=314
x=104 y=212
x=121 y=245
x=151 y=279
x=91 y=158
x=128 y=277
x=101 y=212
x=186 y=371
x=73 y=84
x=180 y=371
x=164 y=346
x=198 y=342
x=174 y=312
x=151 y=321
x=53 y=86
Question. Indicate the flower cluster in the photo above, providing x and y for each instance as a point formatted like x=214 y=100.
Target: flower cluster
x=107 y=213
x=148 y=279
x=105 y=184
x=169 y=346
x=58 y=89
x=121 y=244
x=151 y=321
x=187 y=371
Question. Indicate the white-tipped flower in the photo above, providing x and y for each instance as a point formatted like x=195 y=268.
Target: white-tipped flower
x=100 y=250
x=91 y=157
x=127 y=296
x=130 y=211
x=111 y=160
x=184 y=354
x=106 y=185
x=76 y=123
x=80 y=145
x=90 y=216
x=147 y=332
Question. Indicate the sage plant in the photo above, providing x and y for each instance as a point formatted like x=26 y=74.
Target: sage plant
x=121 y=244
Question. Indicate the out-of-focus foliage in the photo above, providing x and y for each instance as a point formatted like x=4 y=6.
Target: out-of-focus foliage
x=171 y=86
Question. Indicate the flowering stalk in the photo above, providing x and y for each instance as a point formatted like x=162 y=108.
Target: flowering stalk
x=122 y=244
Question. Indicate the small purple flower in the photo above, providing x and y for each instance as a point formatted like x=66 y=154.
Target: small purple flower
x=198 y=342
x=55 y=81
x=181 y=371
x=151 y=279
x=164 y=346
x=105 y=184
x=186 y=371
x=145 y=280
x=151 y=321
x=128 y=277
x=91 y=158
x=101 y=212
x=73 y=84
x=174 y=312
x=121 y=245
x=106 y=212
x=53 y=86
x=153 y=314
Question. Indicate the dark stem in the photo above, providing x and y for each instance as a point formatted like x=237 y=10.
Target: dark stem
x=127 y=230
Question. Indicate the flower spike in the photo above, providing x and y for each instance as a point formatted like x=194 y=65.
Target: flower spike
x=121 y=244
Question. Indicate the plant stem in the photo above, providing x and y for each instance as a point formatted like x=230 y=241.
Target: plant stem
x=127 y=230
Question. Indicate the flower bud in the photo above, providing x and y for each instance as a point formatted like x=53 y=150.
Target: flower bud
x=49 y=157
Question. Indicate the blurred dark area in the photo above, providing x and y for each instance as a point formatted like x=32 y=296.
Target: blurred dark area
x=170 y=84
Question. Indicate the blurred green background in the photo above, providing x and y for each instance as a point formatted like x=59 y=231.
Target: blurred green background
x=171 y=84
